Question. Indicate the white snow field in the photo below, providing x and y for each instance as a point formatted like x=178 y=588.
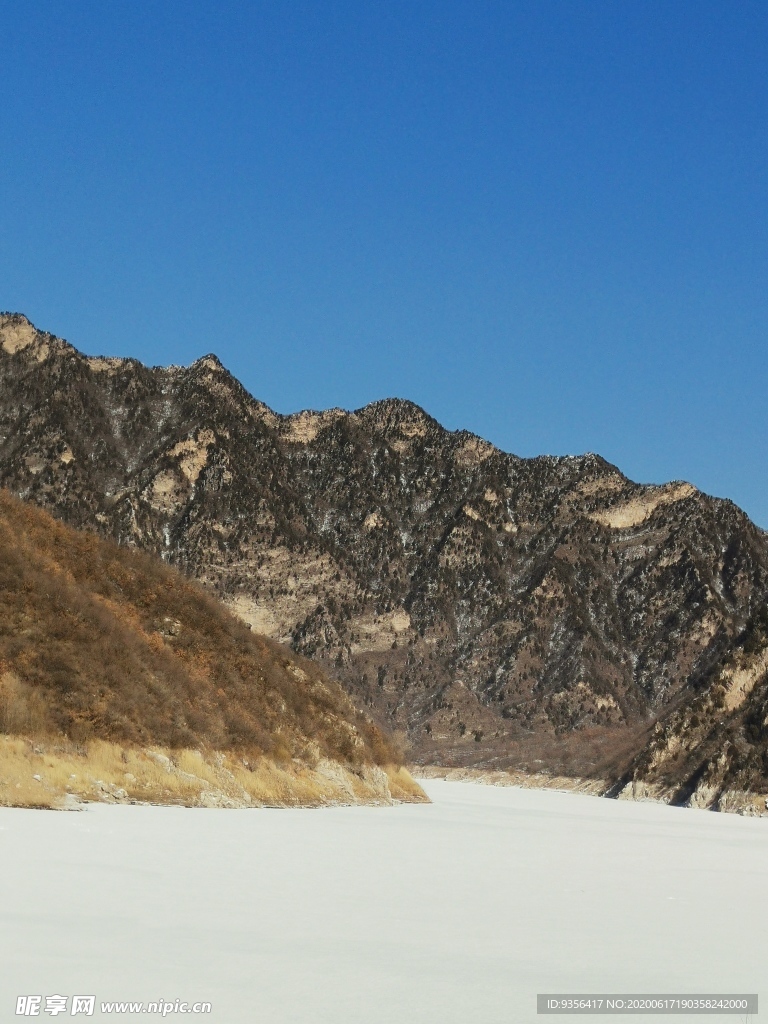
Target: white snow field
x=456 y=912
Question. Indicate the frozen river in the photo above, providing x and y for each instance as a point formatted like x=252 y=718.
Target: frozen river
x=460 y=911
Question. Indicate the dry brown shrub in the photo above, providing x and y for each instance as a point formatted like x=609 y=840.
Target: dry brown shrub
x=102 y=642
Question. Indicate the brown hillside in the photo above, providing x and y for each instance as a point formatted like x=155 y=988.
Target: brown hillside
x=98 y=642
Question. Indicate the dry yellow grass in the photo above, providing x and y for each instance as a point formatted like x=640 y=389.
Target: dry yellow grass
x=403 y=786
x=58 y=773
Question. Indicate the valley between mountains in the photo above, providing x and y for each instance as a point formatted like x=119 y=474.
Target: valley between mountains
x=542 y=615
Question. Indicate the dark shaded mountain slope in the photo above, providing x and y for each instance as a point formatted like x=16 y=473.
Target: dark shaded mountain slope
x=496 y=610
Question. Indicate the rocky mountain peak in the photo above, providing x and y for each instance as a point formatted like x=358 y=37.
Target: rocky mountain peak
x=19 y=335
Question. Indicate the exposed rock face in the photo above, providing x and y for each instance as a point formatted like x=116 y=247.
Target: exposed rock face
x=710 y=749
x=495 y=609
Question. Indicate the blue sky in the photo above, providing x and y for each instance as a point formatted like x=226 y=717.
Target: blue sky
x=544 y=222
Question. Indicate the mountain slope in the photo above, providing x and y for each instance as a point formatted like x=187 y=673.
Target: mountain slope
x=710 y=749
x=497 y=611
x=101 y=643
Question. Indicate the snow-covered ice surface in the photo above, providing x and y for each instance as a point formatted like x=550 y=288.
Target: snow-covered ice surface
x=456 y=912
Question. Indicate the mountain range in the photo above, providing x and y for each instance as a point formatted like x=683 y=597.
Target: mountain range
x=543 y=614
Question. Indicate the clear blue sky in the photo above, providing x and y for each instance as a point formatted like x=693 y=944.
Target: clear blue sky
x=544 y=222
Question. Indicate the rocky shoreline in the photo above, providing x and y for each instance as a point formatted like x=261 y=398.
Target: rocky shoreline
x=753 y=805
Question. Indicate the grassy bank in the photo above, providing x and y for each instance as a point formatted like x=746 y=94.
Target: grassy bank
x=60 y=774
